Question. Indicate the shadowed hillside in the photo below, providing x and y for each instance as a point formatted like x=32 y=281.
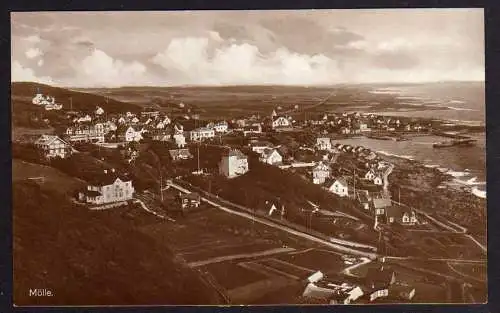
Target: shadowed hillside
x=94 y=258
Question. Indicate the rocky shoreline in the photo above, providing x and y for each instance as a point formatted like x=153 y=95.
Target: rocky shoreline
x=429 y=189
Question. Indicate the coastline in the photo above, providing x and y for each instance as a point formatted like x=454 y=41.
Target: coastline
x=453 y=178
x=433 y=190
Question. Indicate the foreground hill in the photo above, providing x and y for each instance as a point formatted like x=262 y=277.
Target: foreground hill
x=93 y=258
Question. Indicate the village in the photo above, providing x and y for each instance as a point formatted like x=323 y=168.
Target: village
x=342 y=198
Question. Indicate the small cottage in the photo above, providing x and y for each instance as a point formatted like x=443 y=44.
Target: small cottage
x=180 y=154
x=233 y=164
x=190 y=200
x=323 y=143
x=320 y=173
x=271 y=156
x=340 y=187
x=53 y=146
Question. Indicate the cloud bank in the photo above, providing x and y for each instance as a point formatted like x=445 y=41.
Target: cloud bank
x=300 y=49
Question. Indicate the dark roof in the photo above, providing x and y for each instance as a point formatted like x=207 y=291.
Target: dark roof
x=191 y=196
x=342 y=180
x=237 y=153
x=363 y=196
x=381 y=203
x=107 y=178
x=175 y=153
x=92 y=193
x=397 y=211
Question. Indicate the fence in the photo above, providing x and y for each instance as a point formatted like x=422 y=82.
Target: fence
x=108 y=206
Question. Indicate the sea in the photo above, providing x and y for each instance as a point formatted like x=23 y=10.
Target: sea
x=455 y=102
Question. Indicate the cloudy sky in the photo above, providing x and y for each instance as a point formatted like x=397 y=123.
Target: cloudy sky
x=306 y=47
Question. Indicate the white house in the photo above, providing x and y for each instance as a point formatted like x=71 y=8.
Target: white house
x=47 y=101
x=323 y=143
x=320 y=173
x=83 y=119
x=135 y=120
x=53 y=146
x=87 y=132
x=201 y=134
x=340 y=187
x=178 y=129
x=130 y=134
x=281 y=122
x=109 y=125
x=108 y=189
x=221 y=127
x=99 y=111
x=271 y=156
x=122 y=120
x=378 y=180
x=234 y=164
x=38 y=99
x=260 y=147
x=255 y=128
x=180 y=140
x=166 y=120
x=370 y=175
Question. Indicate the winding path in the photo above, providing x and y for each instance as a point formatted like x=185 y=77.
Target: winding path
x=240 y=256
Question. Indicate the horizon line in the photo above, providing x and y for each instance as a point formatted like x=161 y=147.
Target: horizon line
x=253 y=85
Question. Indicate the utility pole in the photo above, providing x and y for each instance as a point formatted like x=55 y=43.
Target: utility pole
x=354 y=178
x=399 y=194
x=161 y=186
x=198 y=157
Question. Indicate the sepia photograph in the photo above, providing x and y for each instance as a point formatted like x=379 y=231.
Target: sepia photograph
x=248 y=157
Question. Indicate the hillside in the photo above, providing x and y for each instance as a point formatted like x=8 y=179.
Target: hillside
x=26 y=114
x=93 y=258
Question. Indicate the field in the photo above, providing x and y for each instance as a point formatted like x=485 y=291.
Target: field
x=240 y=255
x=51 y=178
x=234 y=101
x=436 y=245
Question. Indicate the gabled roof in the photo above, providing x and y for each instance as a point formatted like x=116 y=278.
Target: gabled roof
x=268 y=152
x=342 y=181
x=202 y=129
x=105 y=179
x=321 y=167
x=380 y=203
x=191 y=196
x=363 y=196
x=237 y=153
x=176 y=153
x=92 y=193
x=49 y=139
x=323 y=140
x=397 y=211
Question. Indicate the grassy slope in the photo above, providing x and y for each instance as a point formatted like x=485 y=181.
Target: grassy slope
x=27 y=115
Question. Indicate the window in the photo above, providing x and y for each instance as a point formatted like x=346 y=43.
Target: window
x=391 y=219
